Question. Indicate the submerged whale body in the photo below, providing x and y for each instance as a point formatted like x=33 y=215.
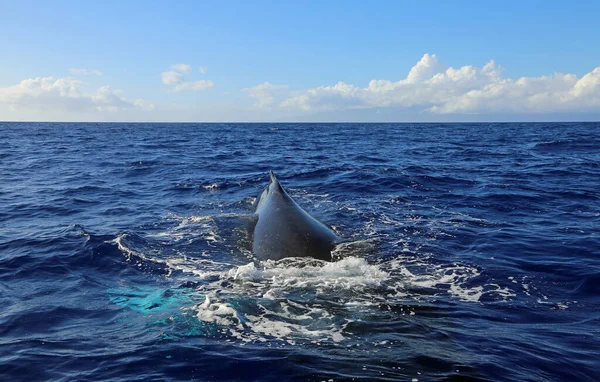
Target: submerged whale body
x=284 y=229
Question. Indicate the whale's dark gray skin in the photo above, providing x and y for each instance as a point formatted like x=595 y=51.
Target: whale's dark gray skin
x=284 y=229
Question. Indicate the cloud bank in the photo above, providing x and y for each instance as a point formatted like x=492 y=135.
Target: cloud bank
x=66 y=94
x=430 y=91
x=435 y=89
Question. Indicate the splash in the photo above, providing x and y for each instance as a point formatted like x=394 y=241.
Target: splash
x=295 y=300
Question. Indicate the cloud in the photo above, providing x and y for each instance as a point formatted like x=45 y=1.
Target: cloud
x=85 y=72
x=177 y=79
x=171 y=78
x=339 y=96
x=203 y=69
x=431 y=87
x=67 y=94
x=425 y=68
x=183 y=68
x=265 y=94
x=193 y=86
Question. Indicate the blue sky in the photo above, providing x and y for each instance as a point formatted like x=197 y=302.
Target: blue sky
x=321 y=60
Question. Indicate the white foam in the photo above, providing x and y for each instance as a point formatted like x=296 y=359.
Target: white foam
x=220 y=313
x=190 y=228
x=453 y=279
x=211 y=187
x=347 y=273
x=466 y=294
x=202 y=268
x=504 y=293
x=279 y=317
x=129 y=253
x=317 y=195
x=194 y=227
x=276 y=322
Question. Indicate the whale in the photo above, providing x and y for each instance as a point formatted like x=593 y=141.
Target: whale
x=283 y=229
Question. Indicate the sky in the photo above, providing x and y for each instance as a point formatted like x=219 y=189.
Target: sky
x=273 y=61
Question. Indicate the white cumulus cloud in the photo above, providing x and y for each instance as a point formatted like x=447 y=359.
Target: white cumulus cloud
x=67 y=94
x=171 y=78
x=183 y=68
x=86 y=72
x=176 y=78
x=203 y=69
x=434 y=88
x=265 y=94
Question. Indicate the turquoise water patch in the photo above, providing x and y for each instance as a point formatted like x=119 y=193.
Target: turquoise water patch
x=147 y=299
x=170 y=306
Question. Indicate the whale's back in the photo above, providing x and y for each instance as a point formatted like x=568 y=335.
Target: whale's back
x=284 y=229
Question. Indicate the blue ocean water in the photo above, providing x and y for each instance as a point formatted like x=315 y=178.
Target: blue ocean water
x=473 y=252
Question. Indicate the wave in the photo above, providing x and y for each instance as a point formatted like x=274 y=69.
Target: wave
x=590 y=143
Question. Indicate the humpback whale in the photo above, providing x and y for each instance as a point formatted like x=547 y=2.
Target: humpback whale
x=284 y=229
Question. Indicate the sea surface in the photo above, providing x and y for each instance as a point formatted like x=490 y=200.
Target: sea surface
x=472 y=253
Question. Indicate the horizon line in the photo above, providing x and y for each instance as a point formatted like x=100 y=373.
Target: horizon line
x=309 y=122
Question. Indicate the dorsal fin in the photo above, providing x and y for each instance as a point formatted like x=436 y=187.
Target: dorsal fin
x=275 y=181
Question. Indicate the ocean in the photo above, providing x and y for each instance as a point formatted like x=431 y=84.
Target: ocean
x=472 y=252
